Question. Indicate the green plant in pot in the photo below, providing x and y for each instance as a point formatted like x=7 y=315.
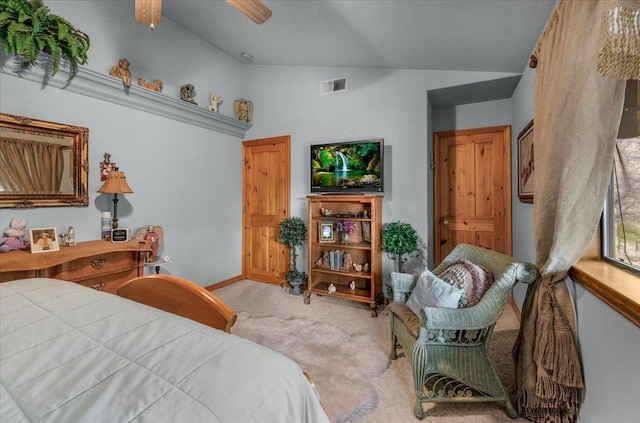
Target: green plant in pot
x=293 y=233
x=399 y=241
x=27 y=29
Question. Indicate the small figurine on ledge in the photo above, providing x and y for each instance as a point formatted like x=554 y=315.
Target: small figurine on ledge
x=243 y=109
x=13 y=238
x=187 y=92
x=215 y=101
x=153 y=86
x=121 y=70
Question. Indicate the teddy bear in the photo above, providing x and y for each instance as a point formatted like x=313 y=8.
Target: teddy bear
x=13 y=238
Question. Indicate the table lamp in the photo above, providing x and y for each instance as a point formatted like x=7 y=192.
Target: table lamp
x=115 y=184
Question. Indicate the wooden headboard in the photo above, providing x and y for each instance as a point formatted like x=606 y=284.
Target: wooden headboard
x=182 y=297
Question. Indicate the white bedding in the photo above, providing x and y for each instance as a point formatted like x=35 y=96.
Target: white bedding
x=74 y=354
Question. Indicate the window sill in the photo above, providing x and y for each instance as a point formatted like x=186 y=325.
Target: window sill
x=613 y=285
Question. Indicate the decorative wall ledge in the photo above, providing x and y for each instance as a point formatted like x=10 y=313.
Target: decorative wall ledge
x=108 y=88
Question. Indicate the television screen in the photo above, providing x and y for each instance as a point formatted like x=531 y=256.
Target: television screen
x=347 y=167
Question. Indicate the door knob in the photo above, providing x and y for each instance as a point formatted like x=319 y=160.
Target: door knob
x=445 y=222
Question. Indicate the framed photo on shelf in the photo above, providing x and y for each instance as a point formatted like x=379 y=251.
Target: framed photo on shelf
x=325 y=232
x=44 y=240
x=366 y=232
x=525 y=164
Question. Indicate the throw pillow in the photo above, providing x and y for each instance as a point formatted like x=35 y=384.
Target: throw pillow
x=474 y=280
x=431 y=291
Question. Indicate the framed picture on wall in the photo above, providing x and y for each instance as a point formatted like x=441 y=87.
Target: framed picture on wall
x=325 y=232
x=44 y=240
x=525 y=164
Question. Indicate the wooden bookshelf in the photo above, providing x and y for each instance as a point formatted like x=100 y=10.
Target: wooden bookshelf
x=361 y=210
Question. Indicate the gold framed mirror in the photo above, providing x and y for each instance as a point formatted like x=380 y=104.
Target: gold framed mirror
x=43 y=164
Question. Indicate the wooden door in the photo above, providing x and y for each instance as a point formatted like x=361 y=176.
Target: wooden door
x=265 y=198
x=472 y=189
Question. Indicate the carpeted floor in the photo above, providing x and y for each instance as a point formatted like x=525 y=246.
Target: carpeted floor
x=346 y=351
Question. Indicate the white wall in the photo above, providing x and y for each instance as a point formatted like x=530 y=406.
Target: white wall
x=380 y=103
x=522 y=221
x=185 y=178
x=474 y=115
x=609 y=343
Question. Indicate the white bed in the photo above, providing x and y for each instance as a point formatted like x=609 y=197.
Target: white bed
x=73 y=354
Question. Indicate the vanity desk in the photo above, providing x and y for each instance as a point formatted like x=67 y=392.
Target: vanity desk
x=98 y=264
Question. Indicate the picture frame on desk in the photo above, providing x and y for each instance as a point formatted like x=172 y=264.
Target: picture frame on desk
x=44 y=240
x=325 y=232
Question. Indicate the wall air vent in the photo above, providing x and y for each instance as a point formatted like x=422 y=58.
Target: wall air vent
x=333 y=86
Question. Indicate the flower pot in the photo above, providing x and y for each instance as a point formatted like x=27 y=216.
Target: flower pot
x=295 y=287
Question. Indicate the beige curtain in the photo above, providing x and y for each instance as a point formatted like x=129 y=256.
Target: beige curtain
x=30 y=167
x=576 y=113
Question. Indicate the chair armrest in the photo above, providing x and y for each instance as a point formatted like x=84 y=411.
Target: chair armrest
x=485 y=313
x=402 y=284
x=469 y=318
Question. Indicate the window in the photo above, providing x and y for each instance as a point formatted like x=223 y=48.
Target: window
x=621 y=218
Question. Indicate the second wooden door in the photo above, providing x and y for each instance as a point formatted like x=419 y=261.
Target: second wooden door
x=472 y=189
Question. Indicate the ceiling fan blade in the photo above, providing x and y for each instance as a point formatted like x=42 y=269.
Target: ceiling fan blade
x=252 y=9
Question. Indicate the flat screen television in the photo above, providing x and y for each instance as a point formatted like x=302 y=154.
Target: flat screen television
x=347 y=167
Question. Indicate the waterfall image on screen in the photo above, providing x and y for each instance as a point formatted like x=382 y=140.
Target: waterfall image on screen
x=347 y=167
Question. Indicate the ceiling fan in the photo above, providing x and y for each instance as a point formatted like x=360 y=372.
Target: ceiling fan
x=149 y=11
x=252 y=9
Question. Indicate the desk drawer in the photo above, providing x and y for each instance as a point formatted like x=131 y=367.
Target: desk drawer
x=109 y=283
x=94 y=266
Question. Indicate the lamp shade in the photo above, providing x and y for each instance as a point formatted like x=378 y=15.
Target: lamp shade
x=116 y=183
x=148 y=12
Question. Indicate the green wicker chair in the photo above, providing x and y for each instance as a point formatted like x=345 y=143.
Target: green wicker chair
x=448 y=346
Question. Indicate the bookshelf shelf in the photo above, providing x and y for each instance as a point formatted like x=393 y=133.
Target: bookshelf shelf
x=363 y=248
x=362 y=275
x=337 y=245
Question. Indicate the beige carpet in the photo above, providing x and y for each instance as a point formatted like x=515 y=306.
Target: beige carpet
x=346 y=351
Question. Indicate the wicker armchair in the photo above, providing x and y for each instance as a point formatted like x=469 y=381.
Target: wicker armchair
x=448 y=346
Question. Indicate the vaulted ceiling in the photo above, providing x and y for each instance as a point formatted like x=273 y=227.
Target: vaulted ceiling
x=466 y=35
x=460 y=35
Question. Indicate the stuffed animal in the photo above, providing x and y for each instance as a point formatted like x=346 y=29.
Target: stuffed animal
x=13 y=238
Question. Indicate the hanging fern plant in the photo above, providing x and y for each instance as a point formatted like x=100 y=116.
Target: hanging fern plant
x=27 y=28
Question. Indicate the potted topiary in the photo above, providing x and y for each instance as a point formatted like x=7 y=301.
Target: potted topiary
x=293 y=232
x=399 y=240
x=27 y=28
